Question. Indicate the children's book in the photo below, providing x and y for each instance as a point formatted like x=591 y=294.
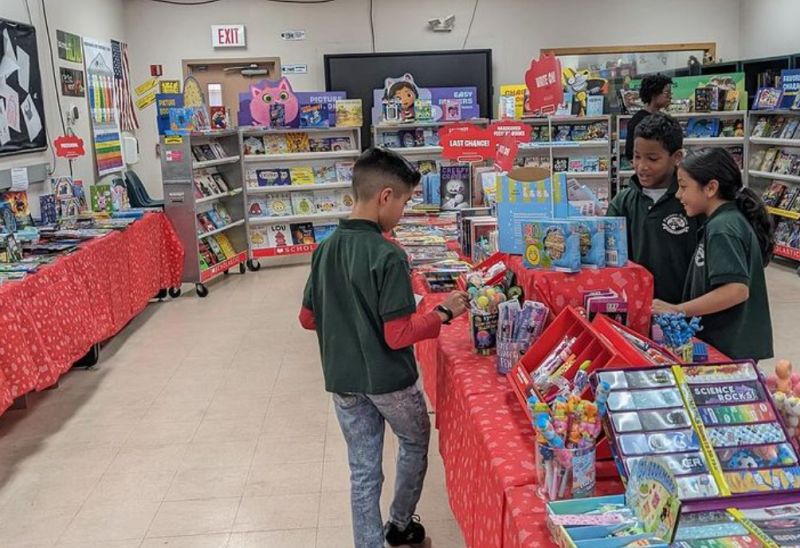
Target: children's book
x=455 y=188
x=101 y=198
x=344 y=171
x=391 y=139
x=790 y=128
x=219 y=180
x=206 y=224
x=326 y=202
x=319 y=144
x=215 y=218
x=278 y=235
x=18 y=205
x=594 y=105
x=257 y=206
x=777 y=127
x=197 y=154
x=208 y=152
x=222 y=211
x=47 y=207
x=576 y=164
x=274 y=144
x=314 y=115
x=302 y=233
x=349 y=113
x=119 y=196
x=226 y=245
x=702 y=99
x=254 y=145
x=219 y=152
x=213 y=245
x=562 y=133
x=279 y=204
x=761 y=127
x=783 y=163
x=788 y=198
x=277 y=115
x=345 y=200
x=769 y=159
x=298 y=142
x=258 y=237
x=591 y=164
x=302 y=176
x=768 y=98
x=323 y=230
x=757 y=159
x=579 y=132
x=702 y=127
x=325 y=174
x=774 y=193
x=423 y=110
x=341 y=143
x=303 y=203
x=560 y=164
x=273 y=177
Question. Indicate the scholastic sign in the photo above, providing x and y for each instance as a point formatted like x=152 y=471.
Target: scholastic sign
x=69 y=146
x=228 y=36
x=466 y=142
x=545 y=89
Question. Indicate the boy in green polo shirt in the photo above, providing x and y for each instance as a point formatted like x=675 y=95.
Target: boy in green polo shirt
x=660 y=236
x=726 y=284
x=359 y=299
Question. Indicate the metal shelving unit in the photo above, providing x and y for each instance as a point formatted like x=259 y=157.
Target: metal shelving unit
x=179 y=170
x=257 y=226
x=760 y=179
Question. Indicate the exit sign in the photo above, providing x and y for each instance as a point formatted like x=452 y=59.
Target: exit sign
x=228 y=36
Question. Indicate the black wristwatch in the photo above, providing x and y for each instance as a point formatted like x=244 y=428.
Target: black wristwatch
x=446 y=311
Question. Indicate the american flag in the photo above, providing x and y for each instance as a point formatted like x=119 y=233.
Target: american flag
x=127 y=114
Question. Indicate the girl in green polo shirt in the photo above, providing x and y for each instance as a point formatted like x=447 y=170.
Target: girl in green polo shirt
x=725 y=283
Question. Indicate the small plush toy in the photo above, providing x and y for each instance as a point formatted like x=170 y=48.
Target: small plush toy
x=783 y=372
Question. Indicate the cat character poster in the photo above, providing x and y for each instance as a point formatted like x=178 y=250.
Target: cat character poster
x=265 y=97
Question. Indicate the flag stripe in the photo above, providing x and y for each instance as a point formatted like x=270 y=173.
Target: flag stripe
x=127 y=114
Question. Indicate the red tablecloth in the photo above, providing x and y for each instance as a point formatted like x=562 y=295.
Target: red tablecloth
x=52 y=318
x=559 y=289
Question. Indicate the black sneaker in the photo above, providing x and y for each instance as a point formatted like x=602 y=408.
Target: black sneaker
x=414 y=533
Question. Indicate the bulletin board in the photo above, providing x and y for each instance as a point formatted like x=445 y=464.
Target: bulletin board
x=22 y=121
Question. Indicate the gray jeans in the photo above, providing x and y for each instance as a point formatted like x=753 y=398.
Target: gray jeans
x=361 y=418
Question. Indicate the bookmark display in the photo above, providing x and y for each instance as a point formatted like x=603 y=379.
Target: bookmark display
x=660 y=442
x=764 y=456
x=680 y=464
x=644 y=399
x=746 y=434
x=637 y=379
x=728 y=373
x=666 y=419
x=737 y=414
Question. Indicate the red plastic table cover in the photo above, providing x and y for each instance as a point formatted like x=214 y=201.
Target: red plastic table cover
x=560 y=289
x=52 y=318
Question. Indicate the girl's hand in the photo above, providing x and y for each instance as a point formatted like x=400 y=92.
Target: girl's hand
x=660 y=307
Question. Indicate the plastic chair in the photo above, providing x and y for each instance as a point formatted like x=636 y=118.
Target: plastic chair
x=133 y=179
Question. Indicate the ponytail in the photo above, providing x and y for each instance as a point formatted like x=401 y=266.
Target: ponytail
x=717 y=164
x=751 y=206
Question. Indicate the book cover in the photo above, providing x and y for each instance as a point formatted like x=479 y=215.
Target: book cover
x=423 y=110
x=795 y=169
x=580 y=132
x=208 y=152
x=226 y=245
x=119 y=196
x=279 y=204
x=325 y=174
x=702 y=127
x=209 y=181
x=576 y=164
x=273 y=177
x=215 y=248
x=769 y=159
x=594 y=105
x=761 y=127
x=560 y=164
x=222 y=211
x=323 y=230
x=218 y=118
x=702 y=99
x=278 y=235
x=737 y=153
x=349 y=113
x=303 y=203
x=757 y=159
x=219 y=152
x=219 y=180
x=603 y=163
x=254 y=145
x=591 y=164
x=217 y=221
x=197 y=154
x=790 y=128
x=62 y=187
x=258 y=237
x=302 y=233
x=562 y=133
x=783 y=163
x=391 y=139
x=277 y=115
x=788 y=198
x=257 y=206
x=455 y=188
x=206 y=256
x=47 y=207
x=100 y=196
x=313 y=116
x=298 y=142
x=206 y=186
x=767 y=98
x=275 y=144
x=302 y=176
x=345 y=200
x=17 y=203
x=319 y=144
x=206 y=225
x=326 y=202
x=774 y=193
x=430 y=138
x=777 y=127
x=341 y=143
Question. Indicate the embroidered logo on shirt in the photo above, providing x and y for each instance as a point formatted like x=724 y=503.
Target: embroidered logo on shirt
x=676 y=224
x=700 y=256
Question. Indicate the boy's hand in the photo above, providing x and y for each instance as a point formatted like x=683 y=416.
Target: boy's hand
x=457 y=302
x=661 y=307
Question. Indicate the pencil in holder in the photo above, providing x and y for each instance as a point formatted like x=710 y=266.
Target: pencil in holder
x=483 y=326
x=509 y=353
x=565 y=473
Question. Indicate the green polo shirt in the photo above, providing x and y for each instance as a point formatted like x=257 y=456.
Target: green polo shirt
x=359 y=280
x=728 y=252
x=660 y=236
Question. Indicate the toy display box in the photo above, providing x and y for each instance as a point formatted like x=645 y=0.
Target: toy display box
x=715 y=426
x=552 y=244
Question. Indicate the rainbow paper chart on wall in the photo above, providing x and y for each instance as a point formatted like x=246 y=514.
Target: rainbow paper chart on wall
x=103 y=109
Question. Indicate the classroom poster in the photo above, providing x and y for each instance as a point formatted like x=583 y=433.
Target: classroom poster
x=790 y=79
x=466 y=96
x=103 y=112
x=69 y=46
x=72 y=84
x=683 y=86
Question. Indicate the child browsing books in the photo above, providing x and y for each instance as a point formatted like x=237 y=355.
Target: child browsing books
x=660 y=236
x=725 y=283
x=359 y=300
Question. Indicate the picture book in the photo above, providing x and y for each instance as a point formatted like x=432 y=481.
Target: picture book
x=788 y=198
x=202 y=185
x=323 y=230
x=206 y=256
x=218 y=117
x=216 y=249
x=18 y=205
x=560 y=164
x=119 y=196
x=757 y=159
x=451 y=110
x=278 y=235
x=344 y=171
x=345 y=200
x=298 y=142
x=576 y=164
x=197 y=154
x=579 y=132
x=273 y=144
x=594 y=105
x=314 y=115
x=303 y=203
x=216 y=220
x=181 y=120
x=101 y=198
x=226 y=245
x=254 y=145
x=273 y=177
x=702 y=99
x=325 y=174
x=277 y=115
x=767 y=98
x=737 y=153
x=62 y=187
x=341 y=143
x=326 y=202
x=208 y=181
x=301 y=175
x=391 y=139
x=423 y=110
x=783 y=163
x=47 y=208
x=349 y=113
x=319 y=144
x=279 y=204
x=219 y=152
x=206 y=225
x=208 y=152
x=591 y=164
x=769 y=159
x=777 y=127
x=703 y=127
x=302 y=233
x=562 y=133
x=455 y=187
x=430 y=138
x=774 y=193
x=602 y=163
x=222 y=211
x=258 y=237
x=257 y=206
x=790 y=128
x=220 y=182
x=761 y=127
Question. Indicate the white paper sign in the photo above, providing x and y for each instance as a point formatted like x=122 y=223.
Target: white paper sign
x=31 y=116
x=24 y=63
x=9 y=62
x=19 y=179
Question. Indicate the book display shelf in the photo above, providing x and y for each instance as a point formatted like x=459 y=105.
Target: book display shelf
x=202 y=181
x=725 y=128
x=297 y=186
x=774 y=171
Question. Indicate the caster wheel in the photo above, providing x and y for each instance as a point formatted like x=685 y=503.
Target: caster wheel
x=174 y=292
x=226 y=272
x=202 y=290
x=242 y=268
x=253 y=265
x=162 y=294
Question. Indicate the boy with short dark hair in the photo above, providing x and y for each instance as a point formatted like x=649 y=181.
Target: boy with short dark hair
x=359 y=300
x=656 y=94
x=660 y=235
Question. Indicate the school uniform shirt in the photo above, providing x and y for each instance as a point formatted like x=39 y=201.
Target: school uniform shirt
x=359 y=283
x=661 y=237
x=728 y=252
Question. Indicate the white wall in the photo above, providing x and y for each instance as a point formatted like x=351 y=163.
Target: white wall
x=514 y=29
x=102 y=19
x=769 y=27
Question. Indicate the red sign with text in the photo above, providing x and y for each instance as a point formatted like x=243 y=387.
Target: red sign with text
x=69 y=147
x=517 y=130
x=466 y=142
x=506 y=153
x=545 y=89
